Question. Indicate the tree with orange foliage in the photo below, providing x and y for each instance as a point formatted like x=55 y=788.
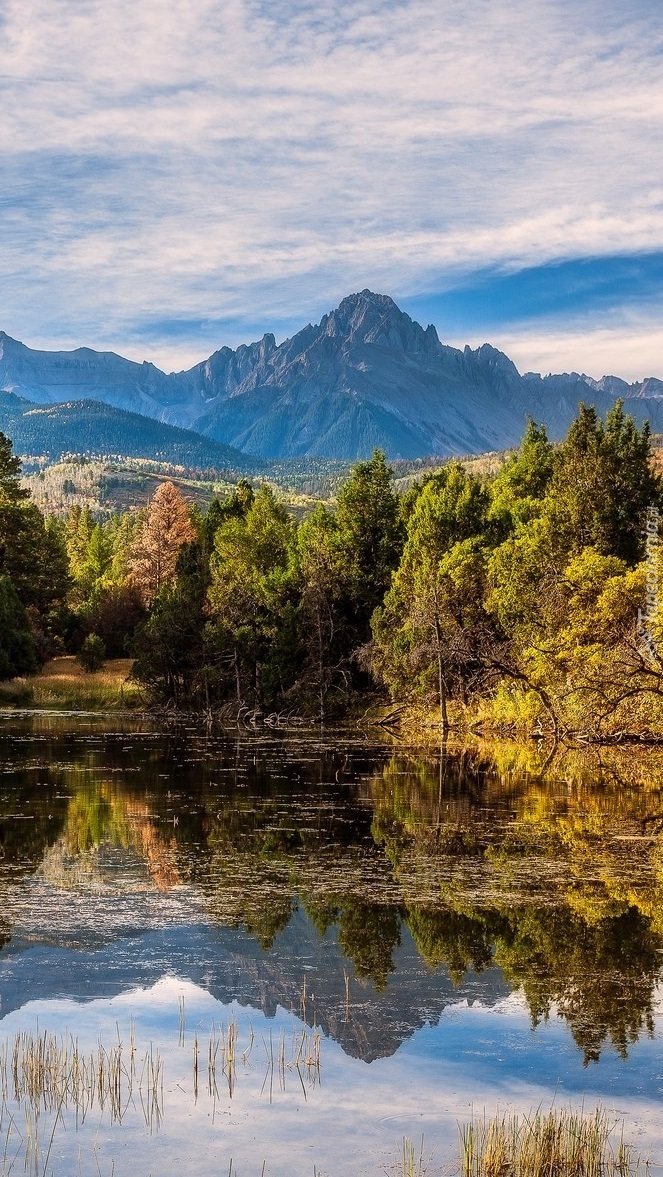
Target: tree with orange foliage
x=167 y=525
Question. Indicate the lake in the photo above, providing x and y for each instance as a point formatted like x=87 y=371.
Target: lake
x=244 y=953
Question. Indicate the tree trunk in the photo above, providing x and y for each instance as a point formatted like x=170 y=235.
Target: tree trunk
x=238 y=684
x=321 y=669
x=442 y=688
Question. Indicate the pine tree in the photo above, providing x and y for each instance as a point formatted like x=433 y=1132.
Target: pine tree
x=17 y=651
x=252 y=599
x=323 y=574
x=602 y=484
x=423 y=636
x=32 y=552
x=370 y=539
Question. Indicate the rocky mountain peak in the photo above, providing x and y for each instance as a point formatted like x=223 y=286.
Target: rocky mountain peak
x=366 y=375
x=649 y=388
x=367 y=318
x=10 y=346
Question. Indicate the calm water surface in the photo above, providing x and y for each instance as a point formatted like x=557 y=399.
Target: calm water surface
x=389 y=939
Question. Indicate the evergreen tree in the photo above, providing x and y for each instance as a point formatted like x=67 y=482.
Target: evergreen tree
x=17 y=650
x=370 y=540
x=234 y=507
x=602 y=484
x=252 y=598
x=32 y=553
x=92 y=653
x=423 y=634
x=520 y=486
x=323 y=576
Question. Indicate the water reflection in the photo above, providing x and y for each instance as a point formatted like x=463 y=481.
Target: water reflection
x=401 y=882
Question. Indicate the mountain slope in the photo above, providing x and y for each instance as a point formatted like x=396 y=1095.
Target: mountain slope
x=89 y=427
x=365 y=376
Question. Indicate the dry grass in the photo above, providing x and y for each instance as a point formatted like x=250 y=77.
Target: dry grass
x=561 y=1143
x=64 y=684
x=44 y=1075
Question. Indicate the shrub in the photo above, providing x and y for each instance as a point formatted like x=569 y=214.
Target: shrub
x=92 y=653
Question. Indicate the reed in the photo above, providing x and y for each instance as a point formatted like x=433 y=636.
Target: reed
x=51 y=1073
x=410 y=1161
x=296 y=1055
x=557 y=1143
x=45 y=1075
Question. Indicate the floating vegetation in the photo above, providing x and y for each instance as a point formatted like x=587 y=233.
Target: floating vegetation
x=562 y=1143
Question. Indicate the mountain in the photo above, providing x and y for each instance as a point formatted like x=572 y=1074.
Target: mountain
x=90 y=427
x=367 y=375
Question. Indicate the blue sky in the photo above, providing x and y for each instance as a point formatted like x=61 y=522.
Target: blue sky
x=180 y=174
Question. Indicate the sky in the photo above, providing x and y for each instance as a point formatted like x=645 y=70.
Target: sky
x=176 y=175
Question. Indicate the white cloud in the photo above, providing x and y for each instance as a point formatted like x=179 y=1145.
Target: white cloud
x=630 y=349
x=207 y=160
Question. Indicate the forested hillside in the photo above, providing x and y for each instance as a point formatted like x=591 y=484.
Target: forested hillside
x=504 y=597
x=90 y=427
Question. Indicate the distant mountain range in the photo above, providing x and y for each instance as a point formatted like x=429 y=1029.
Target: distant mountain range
x=367 y=375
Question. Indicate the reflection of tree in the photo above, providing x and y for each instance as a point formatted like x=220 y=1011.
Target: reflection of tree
x=106 y=817
x=27 y=827
x=5 y=933
x=267 y=919
x=602 y=977
x=458 y=941
x=558 y=882
x=368 y=934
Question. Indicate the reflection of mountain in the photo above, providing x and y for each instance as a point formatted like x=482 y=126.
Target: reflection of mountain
x=458 y=862
x=231 y=966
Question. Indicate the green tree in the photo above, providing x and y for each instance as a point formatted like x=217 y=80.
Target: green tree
x=602 y=484
x=17 y=650
x=253 y=600
x=370 y=537
x=219 y=510
x=32 y=553
x=520 y=486
x=92 y=653
x=368 y=933
x=11 y=491
x=323 y=576
x=423 y=636
x=172 y=654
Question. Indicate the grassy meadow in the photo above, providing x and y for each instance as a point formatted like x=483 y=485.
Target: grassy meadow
x=62 y=684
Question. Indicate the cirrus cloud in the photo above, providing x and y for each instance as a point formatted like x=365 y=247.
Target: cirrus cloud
x=223 y=166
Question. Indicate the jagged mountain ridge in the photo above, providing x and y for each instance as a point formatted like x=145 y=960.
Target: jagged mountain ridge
x=367 y=375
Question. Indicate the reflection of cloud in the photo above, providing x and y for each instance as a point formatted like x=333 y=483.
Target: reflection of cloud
x=475 y=1058
x=212 y=161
